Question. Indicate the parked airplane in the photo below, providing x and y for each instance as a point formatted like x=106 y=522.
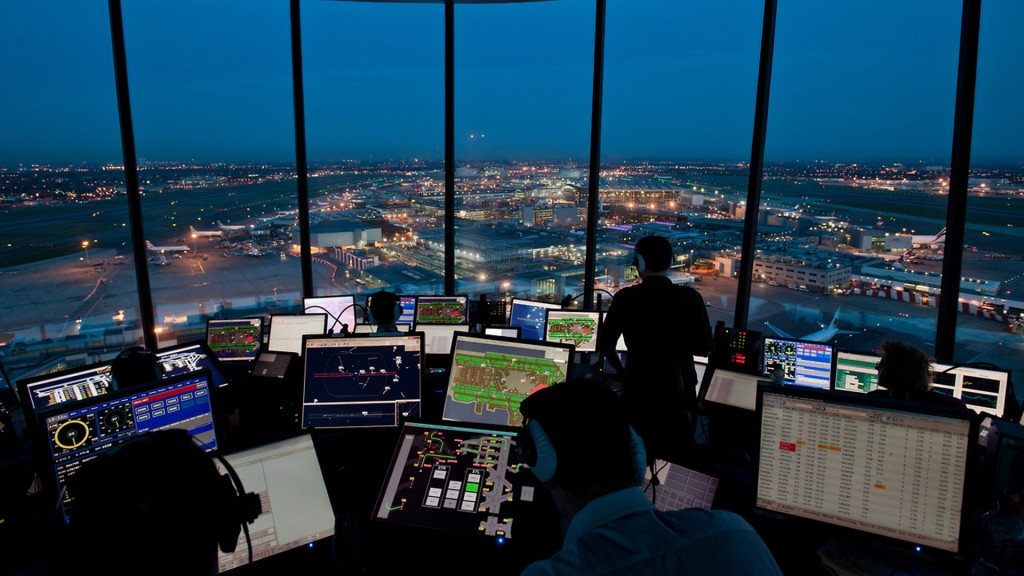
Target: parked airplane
x=936 y=242
x=826 y=334
x=230 y=227
x=195 y=232
x=162 y=249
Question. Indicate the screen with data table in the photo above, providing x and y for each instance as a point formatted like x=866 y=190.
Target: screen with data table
x=867 y=464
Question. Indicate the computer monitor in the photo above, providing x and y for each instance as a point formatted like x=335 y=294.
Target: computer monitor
x=442 y=311
x=235 y=340
x=730 y=388
x=191 y=357
x=506 y=331
x=855 y=371
x=984 y=390
x=77 y=432
x=490 y=376
x=455 y=478
x=287 y=475
x=340 y=310
x=407 y=317
x=437 y=339
x=579 y=328
x=679 y=487
x=286 y=331
x=274 y=365
x=802 y=362
x=896 y=470
x=529 y=316
x=43 y=390
x=361 y=381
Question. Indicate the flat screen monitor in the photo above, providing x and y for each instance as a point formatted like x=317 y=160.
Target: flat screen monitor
x=407 y=304
x=77 y=432
x=855 y=371
x=577 y=327
x=191 y=357
x=730 y=388
x=340 y=310
x=37 y=392
x=800 y=362
x=287 y=475
x=236 y=340
x=442 y=310
x=361 y=381
x=890 y=469
x=437 y=340
x=286 y=331
x=457 y=479
x=530 y=316
x=984 y=390
x=490 y=376
x=506 y=331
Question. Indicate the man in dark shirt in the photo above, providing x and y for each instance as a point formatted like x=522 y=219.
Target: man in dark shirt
x=664 y=325
x=905 y=372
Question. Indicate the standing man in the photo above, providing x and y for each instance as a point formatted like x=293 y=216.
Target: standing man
x=664 y=325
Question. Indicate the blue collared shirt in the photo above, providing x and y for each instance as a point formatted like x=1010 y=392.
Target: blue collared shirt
x=623 y=533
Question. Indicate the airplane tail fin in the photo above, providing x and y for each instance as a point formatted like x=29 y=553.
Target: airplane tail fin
x=150 y=245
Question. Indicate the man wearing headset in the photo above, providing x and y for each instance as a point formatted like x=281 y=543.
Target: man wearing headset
x=664 y=325
x=577 y=442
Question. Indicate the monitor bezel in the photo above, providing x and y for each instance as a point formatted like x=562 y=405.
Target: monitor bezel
x=369 y=340
x=832 y=358
x=259 y=347
x=330 y=323
x=270 y=329
x=569 y=349
x=538 y=303
x=464 y=298
x=883 y=403
x=593 y=314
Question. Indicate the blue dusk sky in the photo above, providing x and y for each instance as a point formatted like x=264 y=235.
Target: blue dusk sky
x=210 y=80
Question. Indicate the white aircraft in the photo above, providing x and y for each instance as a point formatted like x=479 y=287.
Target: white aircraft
x=195 y=232
x=230 y=227
x=162 y=249
x=925 y=241
x=826 y=334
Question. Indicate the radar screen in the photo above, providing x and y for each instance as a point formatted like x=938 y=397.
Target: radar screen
x=458 y=479
x=358 y=381
x=574 y=327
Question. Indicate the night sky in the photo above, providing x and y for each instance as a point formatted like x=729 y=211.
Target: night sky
x=211 y=80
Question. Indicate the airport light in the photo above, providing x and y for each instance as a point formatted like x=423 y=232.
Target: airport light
x=85 y=244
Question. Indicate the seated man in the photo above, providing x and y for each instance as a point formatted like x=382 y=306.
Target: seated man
x=577 y=442
x=385 y=310
x=905 y=372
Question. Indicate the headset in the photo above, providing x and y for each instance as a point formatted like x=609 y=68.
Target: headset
x=638 y=262
x=106 y=479
x=384 y=297
x=537 y=452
